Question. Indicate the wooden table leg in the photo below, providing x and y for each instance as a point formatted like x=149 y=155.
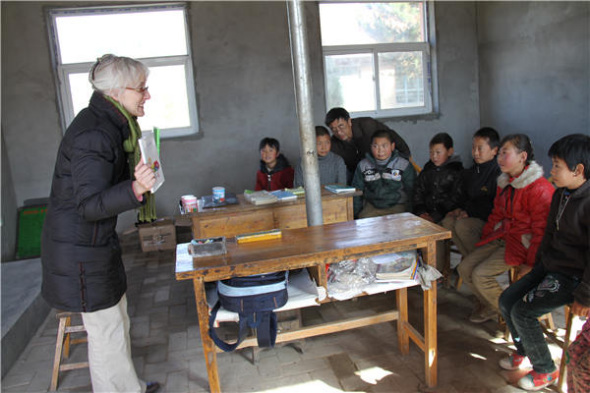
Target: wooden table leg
x=208 y=344
x=430 y=339
x=401 y=296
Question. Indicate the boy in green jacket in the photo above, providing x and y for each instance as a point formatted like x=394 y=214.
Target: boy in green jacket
x=385 y=177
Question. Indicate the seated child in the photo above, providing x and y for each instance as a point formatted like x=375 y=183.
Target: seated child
x=561 y=272
x=275 y=172
x=437 y=188
x=331 y=166
x=513 y=232
x=385 y=177
x=478 y=189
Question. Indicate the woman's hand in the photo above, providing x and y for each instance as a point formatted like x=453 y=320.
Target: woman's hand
x=144 y=179
x=580 y=310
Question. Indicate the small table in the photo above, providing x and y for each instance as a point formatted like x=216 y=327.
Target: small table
x=245 y=217
x=313 y=248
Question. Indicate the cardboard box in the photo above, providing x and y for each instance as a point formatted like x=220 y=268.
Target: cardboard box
x=158 y=235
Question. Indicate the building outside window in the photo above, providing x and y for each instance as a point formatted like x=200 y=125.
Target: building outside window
x=378 y=57
x=157 y=35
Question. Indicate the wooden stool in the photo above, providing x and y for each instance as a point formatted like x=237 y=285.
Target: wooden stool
x=62 y=346
x=572 y=325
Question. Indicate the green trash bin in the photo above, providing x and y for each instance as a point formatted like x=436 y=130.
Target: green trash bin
x=30 y=225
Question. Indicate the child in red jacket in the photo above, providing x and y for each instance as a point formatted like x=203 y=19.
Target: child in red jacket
x=275 y=172
x=514 y=229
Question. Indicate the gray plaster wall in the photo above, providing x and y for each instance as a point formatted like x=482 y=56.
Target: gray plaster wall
x=535 y=70
x=244 y=85
x=9 y=209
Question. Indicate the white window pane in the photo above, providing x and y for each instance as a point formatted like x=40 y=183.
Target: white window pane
x=371 y=23
x=401 y=79
x=167 y=108
x=81 y=90
x=84 y=38
x=350 y=82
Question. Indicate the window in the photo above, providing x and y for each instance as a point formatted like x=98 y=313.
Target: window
x=378 y=57
x=157 y=35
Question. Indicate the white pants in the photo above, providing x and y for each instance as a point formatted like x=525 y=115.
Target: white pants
x=109 y=350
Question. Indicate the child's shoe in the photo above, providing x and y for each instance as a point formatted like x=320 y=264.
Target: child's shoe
x=537 y=381
x=514 y=362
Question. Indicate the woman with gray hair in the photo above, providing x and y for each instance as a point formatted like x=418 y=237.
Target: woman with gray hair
x=98 y=175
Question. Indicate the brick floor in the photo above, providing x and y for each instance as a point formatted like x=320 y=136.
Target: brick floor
x=166 y=346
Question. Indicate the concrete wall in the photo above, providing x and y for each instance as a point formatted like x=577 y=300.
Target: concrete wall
x=8 y=226
x=244 y=86
x=535 y=70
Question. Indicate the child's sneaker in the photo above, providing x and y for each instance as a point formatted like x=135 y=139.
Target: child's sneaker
x=514 y=362
x=537 y=381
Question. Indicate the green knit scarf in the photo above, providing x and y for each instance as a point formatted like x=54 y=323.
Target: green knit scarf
x=147 y=212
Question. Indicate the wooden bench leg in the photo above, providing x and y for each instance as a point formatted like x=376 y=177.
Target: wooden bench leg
x=63 y=322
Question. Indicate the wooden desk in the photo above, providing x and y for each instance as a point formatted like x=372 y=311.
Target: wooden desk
x=313 y=248
x=246 y=217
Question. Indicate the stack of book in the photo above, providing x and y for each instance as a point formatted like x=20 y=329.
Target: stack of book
x=298 y=191
x=339 y=188
x=400 y=266
x=284 y=195
x=260 y=197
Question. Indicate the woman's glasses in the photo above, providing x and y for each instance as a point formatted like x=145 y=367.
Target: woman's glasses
x=140 y=90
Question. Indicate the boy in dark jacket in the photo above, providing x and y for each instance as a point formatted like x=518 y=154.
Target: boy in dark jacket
x=437 y=188
x=561 y=273
x=275 y=172
x=385 y=177
x=478 y=189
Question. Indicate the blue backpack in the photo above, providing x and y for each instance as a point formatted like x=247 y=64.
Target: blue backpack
x=254 y=298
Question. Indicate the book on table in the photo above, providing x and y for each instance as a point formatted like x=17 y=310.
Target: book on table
x=339 y=188
x=284 y=195
x=396 y=267
x=151 y=157
x=298 y=191
x=260 y=197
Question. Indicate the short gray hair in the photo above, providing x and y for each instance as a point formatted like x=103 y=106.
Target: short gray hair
x=113 y=73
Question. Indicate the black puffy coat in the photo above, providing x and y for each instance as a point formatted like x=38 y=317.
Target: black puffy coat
x=479 y=189
x=437 y=189
x=80 y=253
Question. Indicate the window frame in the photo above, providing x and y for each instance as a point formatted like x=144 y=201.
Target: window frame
x=62 y=71
x=427 y=48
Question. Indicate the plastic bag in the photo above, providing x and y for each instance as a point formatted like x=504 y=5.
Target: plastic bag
x=427 y=274
x=348 y=278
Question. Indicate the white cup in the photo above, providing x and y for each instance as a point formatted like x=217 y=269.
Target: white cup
x=189 y=202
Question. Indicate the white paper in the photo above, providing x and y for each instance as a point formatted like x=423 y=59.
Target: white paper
x=149 y=153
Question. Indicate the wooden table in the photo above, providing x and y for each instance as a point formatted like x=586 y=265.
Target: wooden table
x=245 y=217
x=313 y=248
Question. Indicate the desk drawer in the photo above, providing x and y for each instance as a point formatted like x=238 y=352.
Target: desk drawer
x=231 y=225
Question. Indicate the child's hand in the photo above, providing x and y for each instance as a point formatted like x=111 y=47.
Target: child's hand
x=426 y=216
x=522 y=270
x=580 y=310
x=454 y=213
x=462 y=214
